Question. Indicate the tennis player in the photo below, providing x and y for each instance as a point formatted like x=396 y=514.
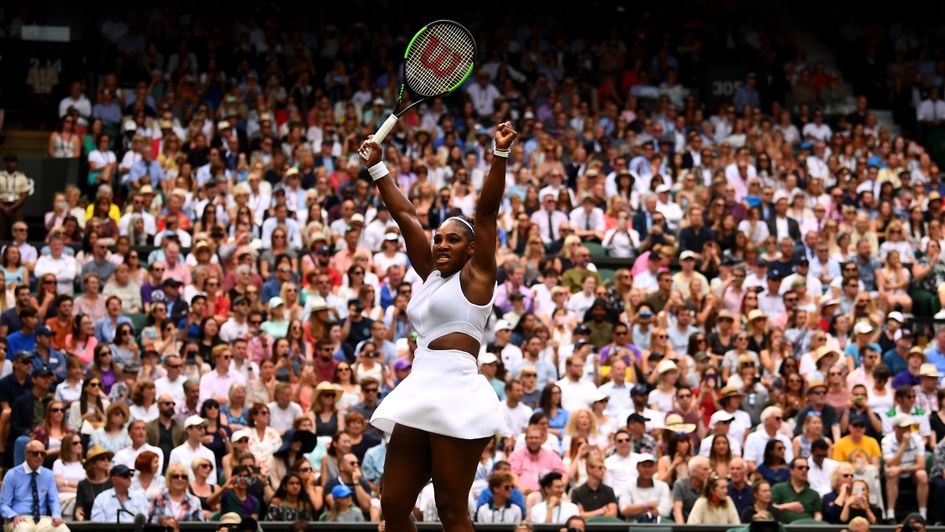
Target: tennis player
x=442 y=415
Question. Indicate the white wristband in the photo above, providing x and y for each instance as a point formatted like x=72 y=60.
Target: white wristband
x=378 y=171
x=499 y=152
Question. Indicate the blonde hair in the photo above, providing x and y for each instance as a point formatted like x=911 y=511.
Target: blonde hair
x=570 y=428
x=172 y=469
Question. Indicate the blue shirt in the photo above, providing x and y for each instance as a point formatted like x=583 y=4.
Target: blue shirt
x=55 y=360
x=16 y=496
x=141 y=169
x=18 y=341
x=104 y=331
x=895 y=362
x=933 y=355
x=106 y=505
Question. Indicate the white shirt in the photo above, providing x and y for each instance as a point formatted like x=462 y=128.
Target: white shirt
x=634 y=494
x=621 y=471
x=575 y=395
x=821 y=132
x=128 y=455
x=231 y=330
x=65 y=268
x=184 y=455
x=213 y=384
x=705 y=446
x=516 y=419
x=281 y=419
x=819 y=476
x=619 y=398
x=144 y=414
x=930 y=110
x=755 y=446
x=483 y=98
x=581 y=220
x=559 y=514
x=175 y=389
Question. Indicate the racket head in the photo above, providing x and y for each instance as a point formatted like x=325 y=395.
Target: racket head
x=439 y=58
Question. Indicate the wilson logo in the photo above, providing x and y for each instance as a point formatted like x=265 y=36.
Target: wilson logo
x=445 y=61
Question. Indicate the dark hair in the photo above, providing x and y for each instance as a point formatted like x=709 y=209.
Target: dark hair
x=545 y=400
x=468 y=229
x=769 y=458
x=881 y=372
x=819 y=444
x=547 y=480
x=902 y=391
x=303 y=493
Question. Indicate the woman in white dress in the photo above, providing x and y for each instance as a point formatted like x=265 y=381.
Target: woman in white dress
x=444 y=413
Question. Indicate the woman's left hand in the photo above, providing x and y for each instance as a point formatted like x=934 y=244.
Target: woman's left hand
x=505 y=135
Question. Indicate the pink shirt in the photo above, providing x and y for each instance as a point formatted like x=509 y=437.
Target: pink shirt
x=529 y=468
x=179 y=271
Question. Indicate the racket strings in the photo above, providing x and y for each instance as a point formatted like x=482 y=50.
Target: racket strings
x=439 y=60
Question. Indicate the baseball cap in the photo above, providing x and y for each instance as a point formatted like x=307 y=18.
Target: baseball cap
x=639 y=389
x=239 y=435
x=687 y=255
x=402 y=364
x=42 y=371
x=895 y=315
x=863 y=328
x=636 y=418
x=357 y=218
x=230 y=518
x=121 y=470
x=902 y=421
x=43 y=330
x=22 y=356
x=340 y=491
x=581 y=329
x=487 y=358
x=276 y=302
x=502 y=325
x=858 y=419
x=194 y=421
x=720 y=416
x=645 y=457
x=646 y=313
x=170 y=281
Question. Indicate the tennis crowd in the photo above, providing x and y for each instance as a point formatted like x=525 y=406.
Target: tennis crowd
x=704 y=313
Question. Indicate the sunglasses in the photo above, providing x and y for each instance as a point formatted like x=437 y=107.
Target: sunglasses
x=178 y=477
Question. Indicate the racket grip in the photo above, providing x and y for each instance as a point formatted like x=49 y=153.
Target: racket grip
x=385 y=129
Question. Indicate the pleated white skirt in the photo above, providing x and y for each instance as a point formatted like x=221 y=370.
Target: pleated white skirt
x=444 y=394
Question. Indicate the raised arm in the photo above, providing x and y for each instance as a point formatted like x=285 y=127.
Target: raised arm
x=478 y=276
x=418 y=245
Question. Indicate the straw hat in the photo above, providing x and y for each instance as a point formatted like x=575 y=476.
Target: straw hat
x=675 y=424
x=97 y=450
x=326 y=387
x=729 y=391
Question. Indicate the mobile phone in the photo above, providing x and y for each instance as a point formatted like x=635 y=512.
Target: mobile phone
x=858 y=490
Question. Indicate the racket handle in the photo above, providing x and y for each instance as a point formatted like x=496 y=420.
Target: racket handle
x=385 y=129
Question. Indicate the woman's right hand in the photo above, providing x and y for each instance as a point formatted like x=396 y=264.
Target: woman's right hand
x=370 y=152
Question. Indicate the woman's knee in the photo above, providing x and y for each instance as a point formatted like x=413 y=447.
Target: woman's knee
x=395 y=504
x=452 y=508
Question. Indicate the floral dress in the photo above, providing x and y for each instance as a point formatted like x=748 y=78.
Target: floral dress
x=188 y=509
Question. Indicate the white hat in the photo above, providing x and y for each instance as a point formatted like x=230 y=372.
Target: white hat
x=391 y=236
x=194 y=421
x=223 y=124
x=239 y=435
x=130 y=125
x=902 y=420
x=487 y=358
x=276 y=302
x=357 y=218
x=688 y=254
x=895 y=315
x=781 y=195
x=645 y=457
x=720 y=416
x=378 y=101
x=863 y=328
x=664 y=366
x=663 y=188
x=502 y=324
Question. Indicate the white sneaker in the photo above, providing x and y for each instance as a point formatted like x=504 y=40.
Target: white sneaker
x=940 y=315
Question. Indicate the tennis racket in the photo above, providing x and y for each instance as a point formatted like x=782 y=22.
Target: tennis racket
x=438 y=60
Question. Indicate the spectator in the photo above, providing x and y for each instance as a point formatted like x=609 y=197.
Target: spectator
x=646 y=499
x=552 y=508
x=904 y=453
x=714 y=506
x=761 y=503
x=31 y=503
x=794 y=498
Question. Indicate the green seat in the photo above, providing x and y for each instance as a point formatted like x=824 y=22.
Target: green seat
x=605 y=519
x=607 y=275
x=596 y=249
x=138 y=320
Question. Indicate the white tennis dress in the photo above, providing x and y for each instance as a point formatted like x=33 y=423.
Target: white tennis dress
x=444 y=393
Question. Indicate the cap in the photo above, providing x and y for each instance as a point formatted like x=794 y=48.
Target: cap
x=934 y=195
x=223 y=124
x=639 y=389
x=828 y=300
x=276 y=302
x=774 y=275
x=655 y=255
x=528 y=369
x=340 y=491
x=121 y=470
x=22 y=356
x=318 y=303
x=391 y=236
x=902 y=421
x=666 y=365
x=687 y=255
x=166 y=124
x=929 y=370
x=858 y=419
x=581 y=343
x=729 y=391
x=265 y=117
x=170 y=281
x=600 y=396
x=863 y=328
x=781 y=195
x=645 y=457
x=44 y=331
x=402 y=364
x=895 y=315
x=131 y=367
x=487 y=358
x=357 y=218
x=646 y=313
x=760 y=261
x=502 y=325
x=42 y=371
x=378 y=101
x=130 y=125
x=756 y=314
x=636 y=418
x=663 y=188
x=581 y=329
x=146 y=189
x=720 y=416
x=725 y=314
x=194 y=421
x=203 y=244
x=230 y=518
x=239 y=435
x=10 y=158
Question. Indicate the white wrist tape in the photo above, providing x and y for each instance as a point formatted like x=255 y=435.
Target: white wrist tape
x=378 y=171
x=499 y=152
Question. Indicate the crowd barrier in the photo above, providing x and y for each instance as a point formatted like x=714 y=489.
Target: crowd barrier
x=269 y=526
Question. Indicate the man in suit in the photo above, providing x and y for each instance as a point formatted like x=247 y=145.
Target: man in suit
x=442 y=209
x=781 y=225
x=164 y=432
x=643 y=220
x=25 y=415
x=692 y=157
